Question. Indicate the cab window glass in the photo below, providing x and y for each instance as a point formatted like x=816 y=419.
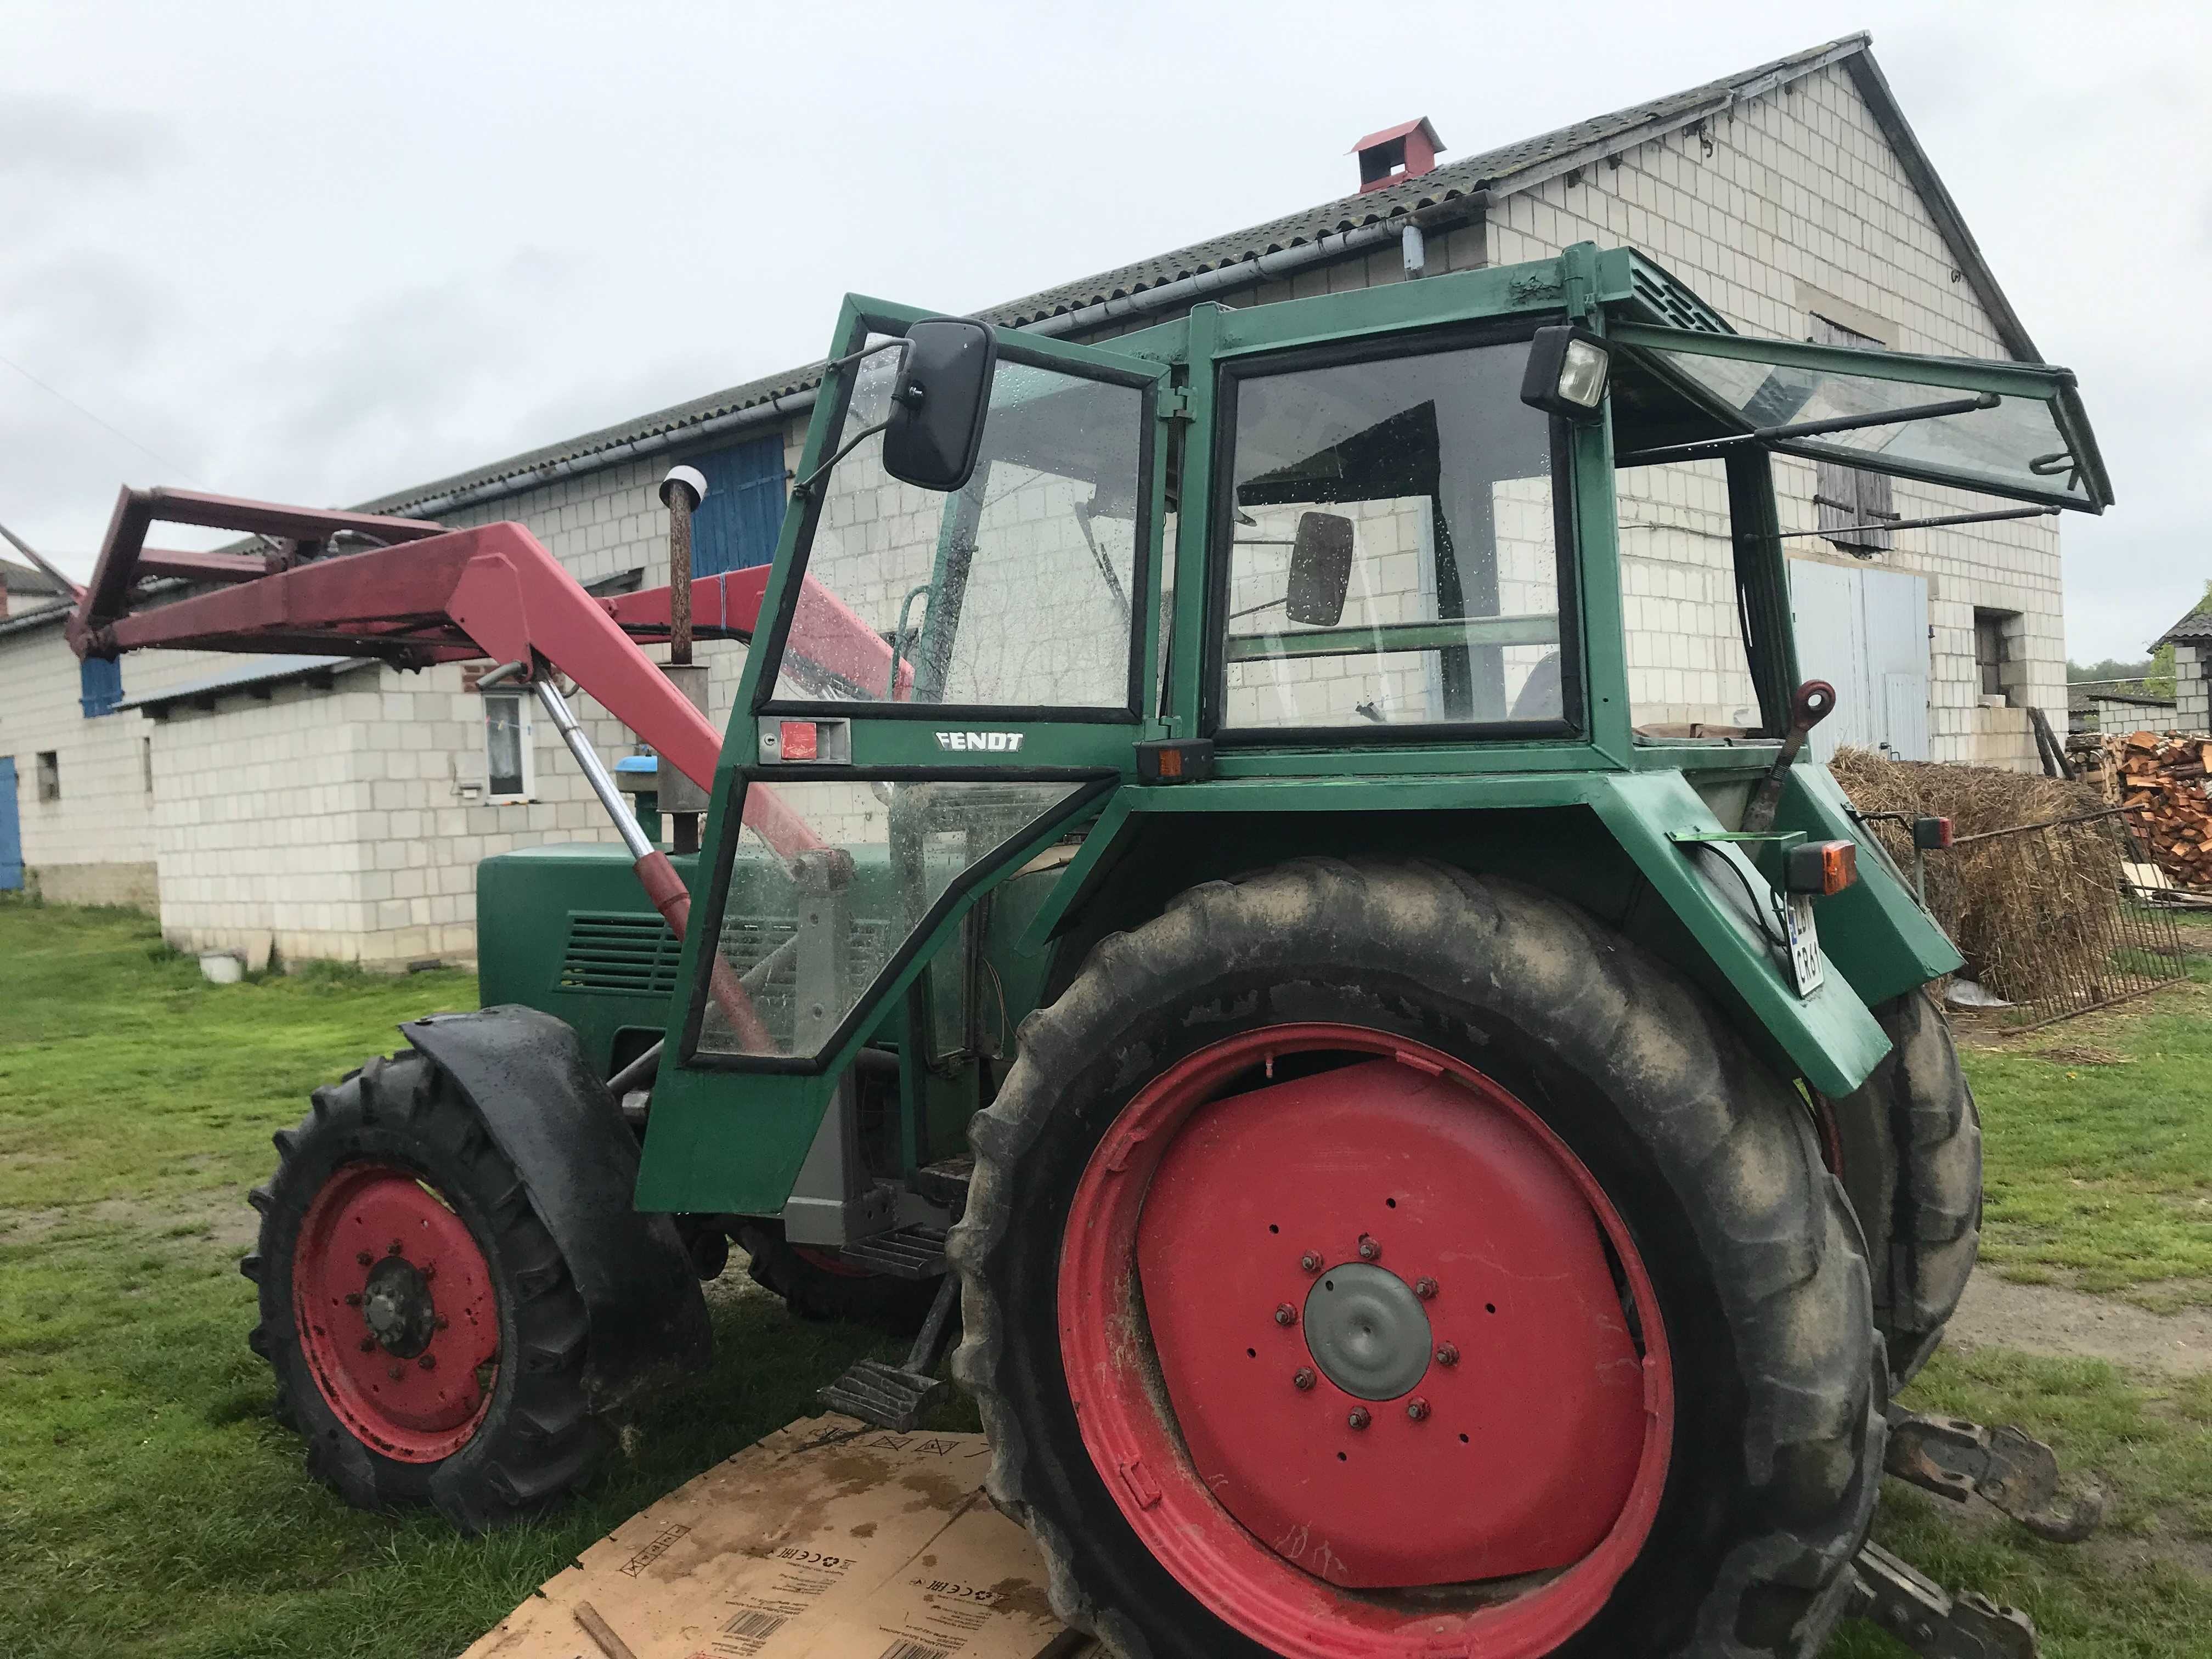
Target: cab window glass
x=1392 y=556
x=1014 y=593
x=1689 y=672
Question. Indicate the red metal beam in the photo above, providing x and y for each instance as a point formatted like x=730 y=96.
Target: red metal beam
x=122 y=552
x=507 y=599
x=825 y=632
x=201 y=566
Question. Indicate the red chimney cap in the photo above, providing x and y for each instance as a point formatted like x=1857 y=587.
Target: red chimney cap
x=1396 y=154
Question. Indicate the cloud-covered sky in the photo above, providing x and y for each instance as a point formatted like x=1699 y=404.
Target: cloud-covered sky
x=317 y=254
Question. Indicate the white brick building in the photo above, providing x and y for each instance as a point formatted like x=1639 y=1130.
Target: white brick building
x=339 y=810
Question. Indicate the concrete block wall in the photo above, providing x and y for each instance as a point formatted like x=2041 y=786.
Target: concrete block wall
x=96 y=844
x=1793 y=205
x=2192 y=686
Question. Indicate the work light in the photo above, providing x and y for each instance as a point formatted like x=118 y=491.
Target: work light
x=1566 y=373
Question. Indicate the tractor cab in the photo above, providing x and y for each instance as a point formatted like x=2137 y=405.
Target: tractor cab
x=1506 y=539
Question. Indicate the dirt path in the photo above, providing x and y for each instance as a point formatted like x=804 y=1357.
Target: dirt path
x=2046 y=1319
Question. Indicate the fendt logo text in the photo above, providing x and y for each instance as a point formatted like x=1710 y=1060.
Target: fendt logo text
x=999 y=742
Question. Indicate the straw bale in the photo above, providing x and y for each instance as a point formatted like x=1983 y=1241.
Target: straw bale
x=2031 y=913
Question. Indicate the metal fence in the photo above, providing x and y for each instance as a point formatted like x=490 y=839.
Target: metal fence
x=2078 y=930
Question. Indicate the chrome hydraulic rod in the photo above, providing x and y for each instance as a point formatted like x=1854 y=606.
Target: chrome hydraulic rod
x=595 y=772
x=662 y=884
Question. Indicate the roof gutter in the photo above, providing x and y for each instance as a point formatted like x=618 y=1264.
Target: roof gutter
x=1184 y=290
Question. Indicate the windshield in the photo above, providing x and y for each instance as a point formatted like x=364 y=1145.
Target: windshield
x=1012 y=593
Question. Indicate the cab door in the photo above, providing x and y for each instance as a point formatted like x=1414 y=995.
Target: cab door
x=945 y=684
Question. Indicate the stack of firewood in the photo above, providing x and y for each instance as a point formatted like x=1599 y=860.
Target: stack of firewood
x=2160 y=782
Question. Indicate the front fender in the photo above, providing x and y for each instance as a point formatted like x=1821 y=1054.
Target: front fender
x=552 y=1116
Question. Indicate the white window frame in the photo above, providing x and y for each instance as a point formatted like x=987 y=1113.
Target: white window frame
x=522 y=704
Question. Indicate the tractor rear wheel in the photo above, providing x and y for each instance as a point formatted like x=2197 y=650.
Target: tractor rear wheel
x=1379 y=1259
x=1911 y=1150
x=427 y=1336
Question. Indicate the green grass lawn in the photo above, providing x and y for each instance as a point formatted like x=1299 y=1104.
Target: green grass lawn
x=2098 y=1142
x=151 y=1505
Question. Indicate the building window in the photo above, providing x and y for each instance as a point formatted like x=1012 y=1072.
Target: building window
x=49 y=775
x=146 y=760
x=1845 y=498
x=737 y=525
x=100 y=686
x=510 y=757
x=1992 y=650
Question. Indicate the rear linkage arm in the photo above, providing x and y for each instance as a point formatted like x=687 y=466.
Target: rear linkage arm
x=1956 y=1459
x=1916 y=1611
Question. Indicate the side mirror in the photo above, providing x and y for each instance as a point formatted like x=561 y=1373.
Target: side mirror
x=943 y=392
x=1320 y=570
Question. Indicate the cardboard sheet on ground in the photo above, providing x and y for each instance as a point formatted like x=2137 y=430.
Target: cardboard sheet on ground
x=828 y=1539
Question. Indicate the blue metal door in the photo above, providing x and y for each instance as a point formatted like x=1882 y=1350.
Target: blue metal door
x=11 y=833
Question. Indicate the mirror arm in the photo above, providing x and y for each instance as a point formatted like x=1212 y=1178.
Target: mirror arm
x=1770 y=435
x=806 y=485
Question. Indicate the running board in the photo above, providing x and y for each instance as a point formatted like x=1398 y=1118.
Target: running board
x=895 y=1397
x=1914 y=1608
x=909 y=1253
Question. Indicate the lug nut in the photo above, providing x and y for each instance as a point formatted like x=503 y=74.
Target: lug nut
x=428 y=1362
x=1310 y=1261
x=1368 y=1250
x=394 y=1249
x=1285 y=1313
x=440 y=1323
x=353 y=1299
x=1416 y=1408
x=1304 y=1378
x=429 y=1270
x=1447 y=1354
x=1424 y=1288
x=1359 y=1419
x=368 y=1345
x=364 y=1258
x=397 y=1372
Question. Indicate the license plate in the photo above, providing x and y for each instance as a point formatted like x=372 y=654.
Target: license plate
x=1804 y=944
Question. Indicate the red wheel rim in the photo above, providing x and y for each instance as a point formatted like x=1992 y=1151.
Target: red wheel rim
x=393 y=1301
x=1529 y=1477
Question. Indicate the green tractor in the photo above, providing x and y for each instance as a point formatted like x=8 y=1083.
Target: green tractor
x=1419 y=1159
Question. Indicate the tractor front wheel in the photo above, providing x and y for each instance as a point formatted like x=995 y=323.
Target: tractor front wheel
x=427 y=1336
x=1366 y=1260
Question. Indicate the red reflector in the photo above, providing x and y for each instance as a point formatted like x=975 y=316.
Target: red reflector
x=1932 y=834
x=799 y=740
x=1839 y=865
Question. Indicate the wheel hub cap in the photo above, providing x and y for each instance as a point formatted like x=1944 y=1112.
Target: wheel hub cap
x=398 y=1320
x=398 y=1305
x=1367 y=1332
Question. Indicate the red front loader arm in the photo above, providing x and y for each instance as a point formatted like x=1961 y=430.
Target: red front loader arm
x=433 y=595
x=419 y=593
